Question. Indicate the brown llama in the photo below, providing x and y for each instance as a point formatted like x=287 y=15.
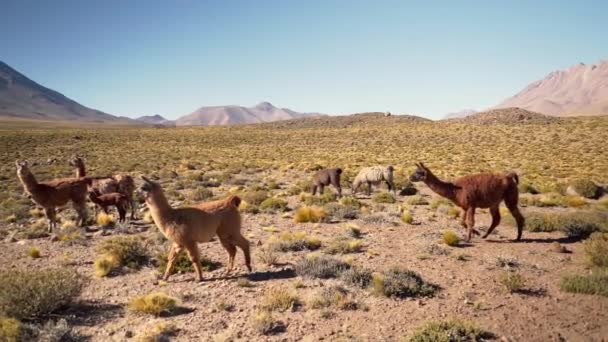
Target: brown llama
x=326 y=177
x=55 y=193
x=123 y=184
x=483 y=190
x=187 y=226
x=115 y=199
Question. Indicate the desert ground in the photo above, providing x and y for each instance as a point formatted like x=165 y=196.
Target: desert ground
x=497 y=288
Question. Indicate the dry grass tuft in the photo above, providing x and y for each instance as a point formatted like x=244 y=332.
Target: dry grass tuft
x=309 y=214
x=154 y=303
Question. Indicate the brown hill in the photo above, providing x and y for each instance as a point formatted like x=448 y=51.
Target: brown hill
x=578 y=90
x=509 y=116
x=22 y=98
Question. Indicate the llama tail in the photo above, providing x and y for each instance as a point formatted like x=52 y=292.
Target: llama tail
x=513 y=176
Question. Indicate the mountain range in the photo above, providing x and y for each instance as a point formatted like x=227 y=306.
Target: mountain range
x=579 y=90
x=23 y=98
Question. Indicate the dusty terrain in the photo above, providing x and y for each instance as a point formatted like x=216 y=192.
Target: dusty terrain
x=223 y=307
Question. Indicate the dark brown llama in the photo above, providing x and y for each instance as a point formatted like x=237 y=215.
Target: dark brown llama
x=326 y=177
x=483 y=190
x=55 y=193
x=123 y=184
x=116 y=199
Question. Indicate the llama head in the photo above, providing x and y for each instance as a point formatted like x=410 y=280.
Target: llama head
x=390 y=168
x=421 y=173
x=339 y=171
x=22 y=167
x=148 y=187
x=76 y=161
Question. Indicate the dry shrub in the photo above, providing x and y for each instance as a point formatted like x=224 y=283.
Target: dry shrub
x=450 y=238
x=320 y=266
x=154 y=303
x=449 y=331
x=34 y=294
x=279 y=299
x=309 y=214
x=596 y=249
x=402 y=283
x=298 y=241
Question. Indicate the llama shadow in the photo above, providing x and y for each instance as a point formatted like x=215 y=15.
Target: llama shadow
x=178 y=311
x=539 y=292
x=285 y=273
x=91 y=314
x=563 y=239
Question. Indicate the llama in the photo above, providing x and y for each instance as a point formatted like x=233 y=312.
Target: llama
x=123 y=184
x=374 y=175
x=115 y=199
x=483 y=190
x=326 y=177
x=55 y=193
x=187 y=226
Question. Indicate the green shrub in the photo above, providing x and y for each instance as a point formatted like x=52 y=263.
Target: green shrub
x=341 y=212
x=401 y=283
x=298 y=241
x=199 y=194
x=384 y=197
x=125 y=251
x=417 y=200
x=586 y=188
x=512 y=281
x=595 y=284
x=343 y=245
x=279 y=298
x=320 y=266
x=154 y=303
x=36 y=293
x=355 y=276
x=450 y=238
x=449 y=331
x=183 y=263
x=254 y=197
x=273 y=204
x=573 y=224
x=596 y=249
x=350 y=201
x=33 y=252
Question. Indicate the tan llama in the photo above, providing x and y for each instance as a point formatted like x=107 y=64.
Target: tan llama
x=55 y=193
x=187 y=226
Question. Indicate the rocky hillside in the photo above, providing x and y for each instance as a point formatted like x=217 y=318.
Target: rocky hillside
x=579 y=90
x=22 y=98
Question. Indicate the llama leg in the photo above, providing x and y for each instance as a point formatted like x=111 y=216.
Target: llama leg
x=470 y=222
x=495 y=220
x=511 y=200
x=463 y=219
x=369 y=188
x=321 y=189
x=244 y=246
x=133 y=206
x=81 y=209
x=195 y=258
x=172 y=257
x=313 y=189
x=50 y=216
x=122 y=213
x=519 y=218
x=231 y=249
x=339 y=188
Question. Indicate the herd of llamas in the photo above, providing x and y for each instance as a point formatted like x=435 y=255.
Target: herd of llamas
x=187 y=226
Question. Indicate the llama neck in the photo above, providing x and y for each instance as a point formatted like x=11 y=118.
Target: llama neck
x=29 y=181
x=160 y=209
x=444 y=189
x=80 y=171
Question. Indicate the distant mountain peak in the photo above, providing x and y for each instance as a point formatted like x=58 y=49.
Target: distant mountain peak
x=23 y=98
x=581 y=89
x=265 y=106
x=231 y=115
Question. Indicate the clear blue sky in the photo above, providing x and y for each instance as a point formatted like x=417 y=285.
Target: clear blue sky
x=135 y=58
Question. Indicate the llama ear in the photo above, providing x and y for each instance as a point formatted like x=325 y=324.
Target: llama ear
x=422 y=165
x=146 y=179
x=17 y=163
